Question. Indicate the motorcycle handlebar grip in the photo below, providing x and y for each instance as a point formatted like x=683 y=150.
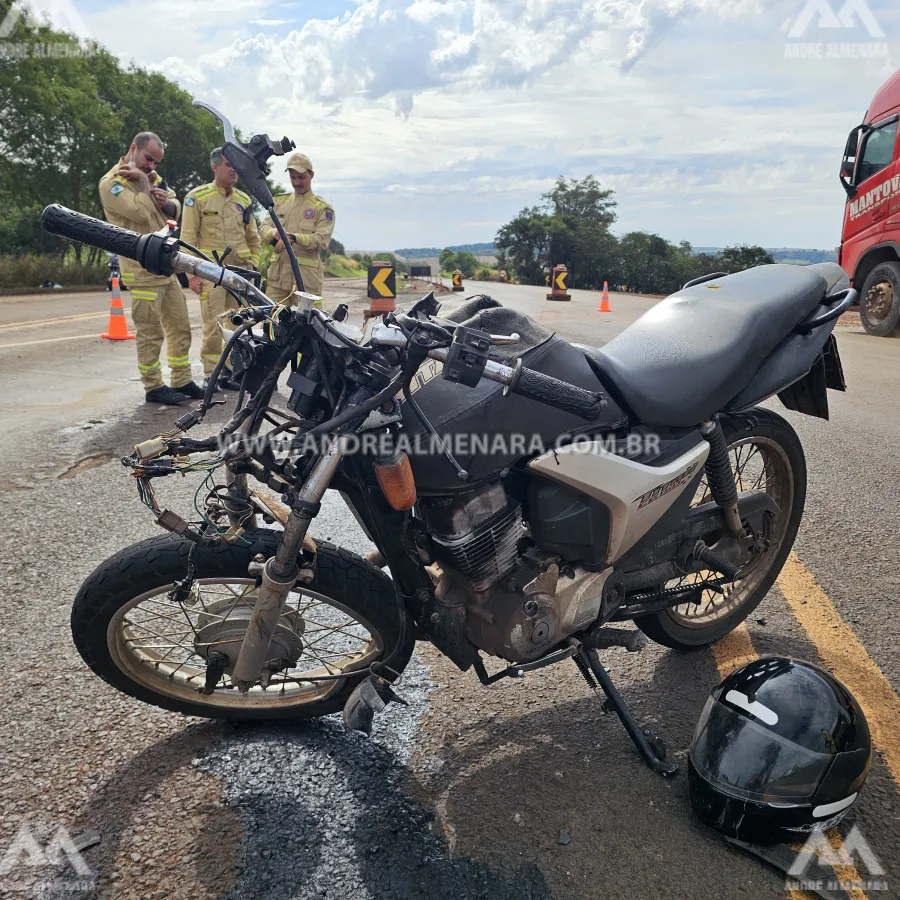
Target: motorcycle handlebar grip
x=87 y=230
x=536 y=386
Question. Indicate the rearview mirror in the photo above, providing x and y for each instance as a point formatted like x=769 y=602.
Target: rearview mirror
x=847 y=168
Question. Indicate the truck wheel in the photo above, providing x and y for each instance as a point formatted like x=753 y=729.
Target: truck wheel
x=879 y=301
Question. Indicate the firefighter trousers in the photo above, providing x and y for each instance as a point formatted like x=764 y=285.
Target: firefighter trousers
x=159 y=311
x=213 y=302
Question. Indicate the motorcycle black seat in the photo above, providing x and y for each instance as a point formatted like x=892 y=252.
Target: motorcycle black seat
x=682 y=361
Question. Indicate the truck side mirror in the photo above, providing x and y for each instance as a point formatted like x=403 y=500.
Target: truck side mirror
x=847 y=167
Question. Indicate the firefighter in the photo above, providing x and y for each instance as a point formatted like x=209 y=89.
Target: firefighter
x=218 y=216
x=309 y=223
x=132 y=196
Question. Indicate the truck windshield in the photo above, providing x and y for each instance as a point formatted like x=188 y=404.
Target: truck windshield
x=879 y=151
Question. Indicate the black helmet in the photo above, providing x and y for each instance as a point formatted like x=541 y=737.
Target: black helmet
x=781 y=747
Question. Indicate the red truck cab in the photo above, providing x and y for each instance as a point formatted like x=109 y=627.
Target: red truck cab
x=870 y=243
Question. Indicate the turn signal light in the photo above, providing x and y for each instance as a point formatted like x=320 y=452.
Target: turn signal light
x=396 y=479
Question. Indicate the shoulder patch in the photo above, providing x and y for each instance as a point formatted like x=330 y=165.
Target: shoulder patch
x=116 y=189
x=189 y=201
x=329 y=214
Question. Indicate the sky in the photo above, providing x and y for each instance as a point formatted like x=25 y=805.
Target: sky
x=433 y=122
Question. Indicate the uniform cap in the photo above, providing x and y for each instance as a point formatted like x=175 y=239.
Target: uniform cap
x=299 y=162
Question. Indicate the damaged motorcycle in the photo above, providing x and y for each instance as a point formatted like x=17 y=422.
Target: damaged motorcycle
x=638 y=484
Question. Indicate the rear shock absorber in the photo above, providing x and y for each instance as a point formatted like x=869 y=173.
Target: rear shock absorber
x=720 y=477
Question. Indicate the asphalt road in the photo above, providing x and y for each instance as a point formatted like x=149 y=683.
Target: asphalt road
x=465 y=793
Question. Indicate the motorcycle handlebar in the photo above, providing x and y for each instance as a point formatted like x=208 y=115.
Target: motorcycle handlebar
x=542 y=388
x=545 y=389
x=156 y=258
x=86 y=230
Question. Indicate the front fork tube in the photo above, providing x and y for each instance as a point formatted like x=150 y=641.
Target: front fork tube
x=719 y=476
x=280 y=573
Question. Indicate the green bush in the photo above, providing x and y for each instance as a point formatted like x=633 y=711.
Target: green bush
x=342 y=267
x=29 y=271
x=487 y=274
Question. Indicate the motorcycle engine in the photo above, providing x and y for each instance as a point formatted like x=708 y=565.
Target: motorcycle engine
x=518 y=605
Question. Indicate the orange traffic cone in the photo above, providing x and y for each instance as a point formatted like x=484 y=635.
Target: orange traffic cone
x=604 y=302
x=118 y=327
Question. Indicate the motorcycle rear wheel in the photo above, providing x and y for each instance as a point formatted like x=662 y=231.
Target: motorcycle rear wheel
x=766 y=454
x=149 y=647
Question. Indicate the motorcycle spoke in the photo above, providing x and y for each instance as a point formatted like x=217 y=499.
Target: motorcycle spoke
x=171 y=640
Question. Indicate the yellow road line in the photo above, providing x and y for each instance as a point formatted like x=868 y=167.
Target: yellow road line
x=732 y=652
x=37 y=323
x=843 y=653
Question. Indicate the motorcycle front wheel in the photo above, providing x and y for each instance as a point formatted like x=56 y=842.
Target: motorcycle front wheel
x=153 y=648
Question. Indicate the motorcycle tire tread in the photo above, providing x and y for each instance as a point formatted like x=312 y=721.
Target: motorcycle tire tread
x=159 y=561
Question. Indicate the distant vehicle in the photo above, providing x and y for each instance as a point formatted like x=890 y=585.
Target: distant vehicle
x=870 y=242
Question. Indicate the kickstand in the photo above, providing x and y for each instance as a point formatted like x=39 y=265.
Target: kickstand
x=649 y=745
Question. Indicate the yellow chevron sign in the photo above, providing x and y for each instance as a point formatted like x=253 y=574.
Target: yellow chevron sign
x=382 y=282
x=560 y=280
x=457 y=279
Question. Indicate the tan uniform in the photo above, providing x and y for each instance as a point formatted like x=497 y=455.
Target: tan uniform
x=311 y=219
x=213 y=221
x=158 y=307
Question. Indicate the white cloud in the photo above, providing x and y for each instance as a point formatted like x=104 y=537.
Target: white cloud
x=426 y=117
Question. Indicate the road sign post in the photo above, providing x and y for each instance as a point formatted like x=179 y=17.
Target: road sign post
x=457 y=282
x=382 y=284
x=559 y=289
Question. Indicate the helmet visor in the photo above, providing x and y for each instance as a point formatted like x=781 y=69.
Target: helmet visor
x=748 y=760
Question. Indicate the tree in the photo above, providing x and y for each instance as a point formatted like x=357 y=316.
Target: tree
x=66 y=118
x=571 y=226
x=467 y=263
x=646 y=264
x=337 y=248
x=447 y=260
x=525 y=242
x=575 y=202
x=738 y=258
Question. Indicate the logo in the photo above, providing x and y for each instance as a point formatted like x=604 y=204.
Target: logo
x=116 y=189
x=189 y=201
x=61 y=15
x=663 y=489
x=837 y=857
x=60 y=852
x=851 y=13
x=835 y=29
x=329 y=215
x=25 y=17
x=309 y=213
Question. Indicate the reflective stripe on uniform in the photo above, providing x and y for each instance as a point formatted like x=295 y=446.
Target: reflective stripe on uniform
x=129 y=278
x=176 y=362
x=137 y=294
x=146 y=370
x=307 y=262
x=213 y=356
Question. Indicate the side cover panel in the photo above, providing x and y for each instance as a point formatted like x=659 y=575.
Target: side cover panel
x=636 y=495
